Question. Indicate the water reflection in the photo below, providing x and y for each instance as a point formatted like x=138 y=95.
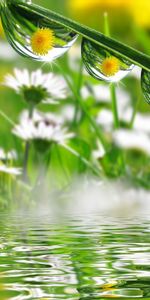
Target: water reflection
x=96 y=257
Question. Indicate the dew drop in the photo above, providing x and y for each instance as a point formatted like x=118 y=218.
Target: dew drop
x=32 y=34
x=103 y=65
x=145 y=83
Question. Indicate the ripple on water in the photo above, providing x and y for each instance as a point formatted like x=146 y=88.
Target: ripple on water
x=77 y=259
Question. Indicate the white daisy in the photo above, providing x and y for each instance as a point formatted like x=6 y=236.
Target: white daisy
x=10 y=170
x=128 y=139
x=44 y=127
x=7 y=155
x=37 y=86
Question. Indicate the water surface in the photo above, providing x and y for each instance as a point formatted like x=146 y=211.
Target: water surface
x=92 y=257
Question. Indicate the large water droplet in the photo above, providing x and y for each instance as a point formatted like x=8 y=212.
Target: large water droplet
x=103 y=65
x=32 y=34
x=145 y=83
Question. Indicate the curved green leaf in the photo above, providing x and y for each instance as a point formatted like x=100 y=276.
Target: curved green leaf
x=145 y=83
x=136 y=57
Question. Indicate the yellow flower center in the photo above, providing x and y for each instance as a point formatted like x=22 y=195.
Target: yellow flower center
x=110 y=66
x=42 y=41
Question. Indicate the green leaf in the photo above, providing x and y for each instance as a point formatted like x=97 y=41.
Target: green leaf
x=145 y=83
x=83 y=148
x=117 y=48
x=112 y=163
x=138 y=167
x=64 y=164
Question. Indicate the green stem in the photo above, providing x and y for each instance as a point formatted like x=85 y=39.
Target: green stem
x=114 y=105
x=106 y=25
x=134 y=113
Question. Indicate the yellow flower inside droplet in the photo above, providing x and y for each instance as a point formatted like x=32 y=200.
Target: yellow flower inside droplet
x=1 y=30
x=42 y=41
x=110 y=66
x=109 y=285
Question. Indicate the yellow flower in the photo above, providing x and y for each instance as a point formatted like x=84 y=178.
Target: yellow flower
x=110 y=66
x=42 y=41
x=140 y=10
x=94 y=4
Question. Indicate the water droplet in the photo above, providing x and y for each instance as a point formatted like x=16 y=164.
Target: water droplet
x=103 y=65
x=145 y=83
x=32 y=34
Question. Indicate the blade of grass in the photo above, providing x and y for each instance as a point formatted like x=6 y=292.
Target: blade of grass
x=7 y=118
x=117 y=48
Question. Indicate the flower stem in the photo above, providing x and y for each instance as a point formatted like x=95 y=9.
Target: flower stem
x=135 y=109
x=114 y=105
x=106 y=25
